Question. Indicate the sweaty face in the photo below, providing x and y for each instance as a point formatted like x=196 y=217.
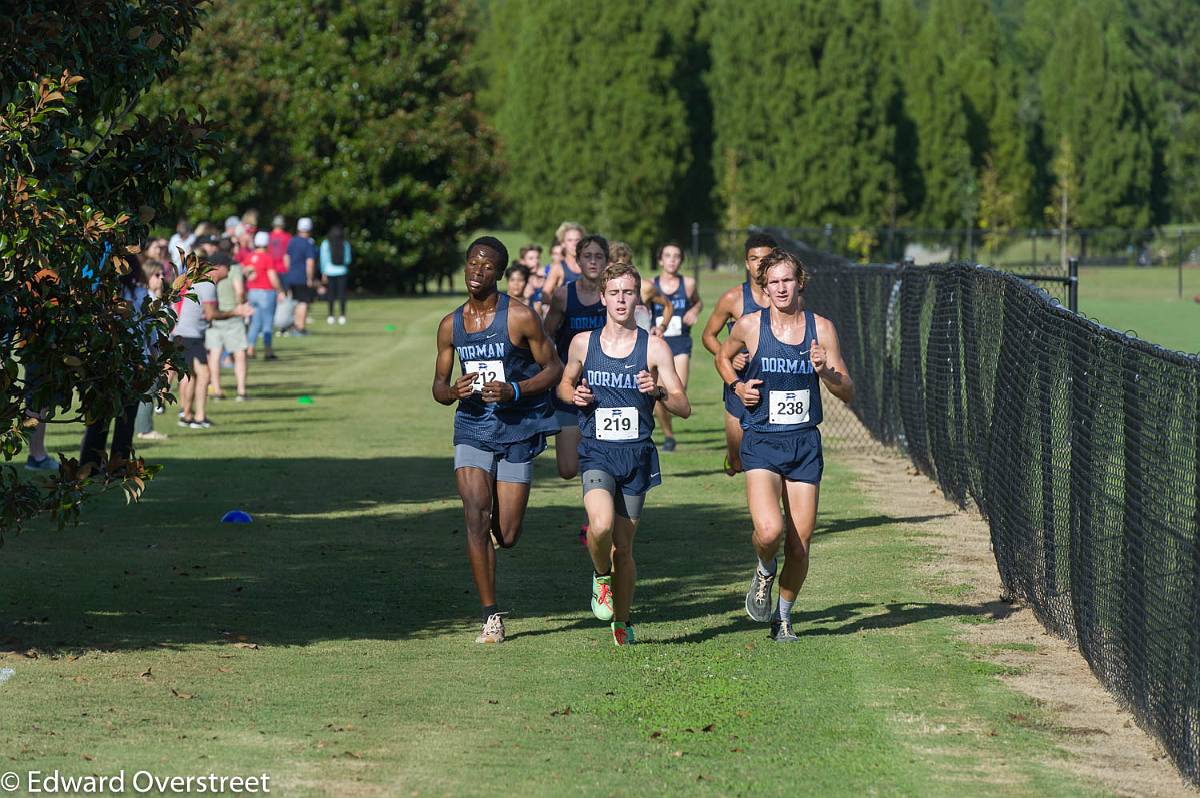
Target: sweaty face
x=670 y=259
x=752 y=259
x=482 y=270
x=782 y=286
x=592 y=260
x=620 y=297
x=570 y=241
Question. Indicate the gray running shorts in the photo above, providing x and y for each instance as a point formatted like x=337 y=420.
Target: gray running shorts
x=624 y=504
x=502 y=470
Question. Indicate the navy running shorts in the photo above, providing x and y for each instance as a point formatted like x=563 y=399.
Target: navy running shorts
x=796 y=456
x=633 y=467
x=679 y=344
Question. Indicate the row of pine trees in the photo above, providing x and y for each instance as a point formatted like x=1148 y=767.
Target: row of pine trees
x=641 y=117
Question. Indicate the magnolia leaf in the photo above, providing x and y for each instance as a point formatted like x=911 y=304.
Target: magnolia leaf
x=146 y=214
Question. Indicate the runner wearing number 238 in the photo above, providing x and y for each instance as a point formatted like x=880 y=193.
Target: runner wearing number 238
x=614 y=375
x=792 y=351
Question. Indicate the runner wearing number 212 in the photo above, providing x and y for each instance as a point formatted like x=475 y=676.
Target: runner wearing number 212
x=791 y=352
x=614 y=375
x=503 y=414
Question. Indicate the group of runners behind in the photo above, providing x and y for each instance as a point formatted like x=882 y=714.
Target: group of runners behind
x=590 y=352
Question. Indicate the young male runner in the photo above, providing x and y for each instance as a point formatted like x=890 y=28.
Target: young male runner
x=792 y=351
x=733 y=304
x=568 y=269
x=614 y=375
x=685 y=301
x=503 y=414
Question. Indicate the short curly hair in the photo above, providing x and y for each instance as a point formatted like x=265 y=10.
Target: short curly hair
x=618 y=270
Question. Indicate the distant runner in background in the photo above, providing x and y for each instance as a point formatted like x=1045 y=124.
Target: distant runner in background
x=566 y=270
x=685 y=301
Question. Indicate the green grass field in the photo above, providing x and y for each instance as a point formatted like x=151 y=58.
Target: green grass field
x=1146 y=302
x=331 y=643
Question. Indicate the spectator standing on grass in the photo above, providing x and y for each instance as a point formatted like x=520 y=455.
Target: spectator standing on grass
x=231 y=225
x=278 y=243
x=301 y=261
x=335 y=266
x=228 y=335
x=262 y=288
x=134 y=291
x=143 y=425
x=195 y=315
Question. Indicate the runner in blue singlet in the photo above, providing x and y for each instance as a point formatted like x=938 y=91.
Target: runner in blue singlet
x=792 y=351
x=503 y=413
x=677 y=332
x=568 y=269
x=610 y=377
x=733 y=304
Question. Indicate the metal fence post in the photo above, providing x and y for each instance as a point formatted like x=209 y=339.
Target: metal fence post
x=1179 y=259
x=1073 y=286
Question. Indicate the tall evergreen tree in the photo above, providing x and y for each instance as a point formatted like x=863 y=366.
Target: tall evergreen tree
x=592 y=124
x=360 y=113
x=1096 y=97
x=803 y=96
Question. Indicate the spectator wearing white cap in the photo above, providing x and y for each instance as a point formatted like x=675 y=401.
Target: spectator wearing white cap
x=262 y=285
x=231 y=225
x=301 y=277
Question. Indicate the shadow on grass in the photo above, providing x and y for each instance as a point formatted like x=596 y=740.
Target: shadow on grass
x=357 y=549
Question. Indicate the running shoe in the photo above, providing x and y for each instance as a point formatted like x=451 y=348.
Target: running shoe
x=271 y=356
x=781 y=631
x=152 y=435
x=185 y=422
x=342 y=320
x=241 y=397
x=203 y=424
x=623 y=634
x=329 y=319
x=758 y=597
x=46 y=463
x=602 y=606
x=668 y=444
x=493 y=629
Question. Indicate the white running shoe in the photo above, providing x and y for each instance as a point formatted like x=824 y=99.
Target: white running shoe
x=342 y=320
x=329 y=319
x=493 y=630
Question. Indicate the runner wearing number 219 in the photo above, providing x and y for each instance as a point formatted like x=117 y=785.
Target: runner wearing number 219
x=614 y=375
x=792 y=351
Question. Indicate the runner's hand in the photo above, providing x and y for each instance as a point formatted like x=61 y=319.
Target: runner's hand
x=692 y=316
x=740 y=360
x=646 y=382
x=583 y=394
x=748 y=392
x=245 y=310
x=820 y=357
x=497 y=392
x=464 y=386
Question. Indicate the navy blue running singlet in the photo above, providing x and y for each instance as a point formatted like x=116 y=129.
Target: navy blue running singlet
x=790 y=387
x=621 y=413
x=681 y=303
x=491 y=354
x=577 y=318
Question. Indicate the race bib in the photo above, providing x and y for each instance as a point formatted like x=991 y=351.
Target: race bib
x=484 y=371
x=617 y=424
x=674 y=328
x=789 y=407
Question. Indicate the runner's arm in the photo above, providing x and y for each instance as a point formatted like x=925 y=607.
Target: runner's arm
x=554 y=279
x=444 y=391
x=529 y=333
x=743 y=336
x=721 y=314
x=554 y=317
x=569 y=387
x=826 y=356
x=660 y=359
x=668 y=309
x=693 y=313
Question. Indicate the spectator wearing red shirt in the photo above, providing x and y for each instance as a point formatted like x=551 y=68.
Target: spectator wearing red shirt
x=278 y=243
x=262 y=287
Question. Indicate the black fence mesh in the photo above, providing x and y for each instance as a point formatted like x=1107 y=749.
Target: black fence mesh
x=1078 y=444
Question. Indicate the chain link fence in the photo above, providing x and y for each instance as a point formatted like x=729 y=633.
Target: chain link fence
x=1078 y=444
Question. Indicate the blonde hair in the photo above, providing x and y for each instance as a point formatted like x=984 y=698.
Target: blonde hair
x=567 y=226
x=776 y=257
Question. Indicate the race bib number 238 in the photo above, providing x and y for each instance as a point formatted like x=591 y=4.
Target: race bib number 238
x=789 y=407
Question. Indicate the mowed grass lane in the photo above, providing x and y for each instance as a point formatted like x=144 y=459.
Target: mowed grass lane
x=331 y=643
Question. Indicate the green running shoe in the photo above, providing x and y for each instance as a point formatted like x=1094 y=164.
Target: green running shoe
x=602 y=606
x=623 y=634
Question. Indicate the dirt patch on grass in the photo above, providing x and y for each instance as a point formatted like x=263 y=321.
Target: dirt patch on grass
x=1105 y=742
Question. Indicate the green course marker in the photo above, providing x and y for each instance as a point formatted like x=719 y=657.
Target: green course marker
x=390 y=328
x=305 y=400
